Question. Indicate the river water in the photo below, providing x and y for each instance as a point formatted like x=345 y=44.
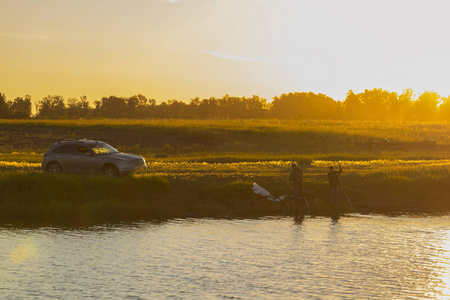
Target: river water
x=357 y=257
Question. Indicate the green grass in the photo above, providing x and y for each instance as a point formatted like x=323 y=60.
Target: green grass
x=234 y=140
x=207 y=168
x=184 y=189
x=36 y=197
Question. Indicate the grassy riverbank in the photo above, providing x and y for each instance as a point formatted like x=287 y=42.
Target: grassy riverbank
x=182 y=189
x=207 y=168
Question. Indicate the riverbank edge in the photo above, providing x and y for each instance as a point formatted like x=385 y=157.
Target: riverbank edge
x=40 y=198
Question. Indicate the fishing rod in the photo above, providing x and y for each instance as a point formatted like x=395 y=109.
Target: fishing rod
x=307 y=204
x=350 y=202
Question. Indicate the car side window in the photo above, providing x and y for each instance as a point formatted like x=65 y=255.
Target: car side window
x=66 y=149
x=82 y=150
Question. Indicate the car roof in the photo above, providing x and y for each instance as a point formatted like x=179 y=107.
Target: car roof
x=77 y=142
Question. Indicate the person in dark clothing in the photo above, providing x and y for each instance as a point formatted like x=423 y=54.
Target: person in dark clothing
x=296 y=179
x=335 y=183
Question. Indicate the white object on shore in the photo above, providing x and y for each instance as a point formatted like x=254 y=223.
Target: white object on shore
x=259 y=190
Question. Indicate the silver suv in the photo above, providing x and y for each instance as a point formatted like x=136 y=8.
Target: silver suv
x=86 y=156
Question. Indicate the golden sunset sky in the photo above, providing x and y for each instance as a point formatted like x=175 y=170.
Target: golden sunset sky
x=181 y=49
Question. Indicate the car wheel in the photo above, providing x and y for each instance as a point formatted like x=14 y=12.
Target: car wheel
x=54 y=168
x=110 y=170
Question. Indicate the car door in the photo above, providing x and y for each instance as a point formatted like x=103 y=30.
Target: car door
x=64 y=155
x=84 y=160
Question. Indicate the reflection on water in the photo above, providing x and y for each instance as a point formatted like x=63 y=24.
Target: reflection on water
x=22 y=252
x=357 y=257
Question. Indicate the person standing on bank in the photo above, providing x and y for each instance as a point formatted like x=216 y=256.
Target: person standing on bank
x=335 y=183
x=296 y=179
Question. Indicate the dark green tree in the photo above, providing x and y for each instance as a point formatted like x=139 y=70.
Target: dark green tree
x=21 y=107
x=305 y=106
x=209 y=109
x=114 y=107
x=52 y=107
x=78 y=108
x=5 y=111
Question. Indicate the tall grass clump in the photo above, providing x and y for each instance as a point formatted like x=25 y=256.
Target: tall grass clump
x=45 y=197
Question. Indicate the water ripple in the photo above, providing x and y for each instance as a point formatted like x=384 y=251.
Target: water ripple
x=359 y=257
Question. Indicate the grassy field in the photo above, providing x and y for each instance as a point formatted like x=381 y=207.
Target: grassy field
x=234 y=140
x=207 y=168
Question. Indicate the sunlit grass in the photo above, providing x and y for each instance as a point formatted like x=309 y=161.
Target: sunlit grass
x=206 y=168
x=233 y=140
x=269 y=168
x=403 y=130
x=180 y=189
x=19 y=166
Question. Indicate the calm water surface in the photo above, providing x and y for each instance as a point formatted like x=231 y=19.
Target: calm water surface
x=358 y=257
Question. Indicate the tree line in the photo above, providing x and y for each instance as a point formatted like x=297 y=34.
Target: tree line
x=374 y=104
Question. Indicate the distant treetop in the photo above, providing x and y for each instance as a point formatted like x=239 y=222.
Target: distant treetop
x=375 y=104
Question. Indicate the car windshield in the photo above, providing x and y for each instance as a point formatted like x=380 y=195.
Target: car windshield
x=101 y=149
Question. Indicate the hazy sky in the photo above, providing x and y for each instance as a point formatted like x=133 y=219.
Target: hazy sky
x=181 y=49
